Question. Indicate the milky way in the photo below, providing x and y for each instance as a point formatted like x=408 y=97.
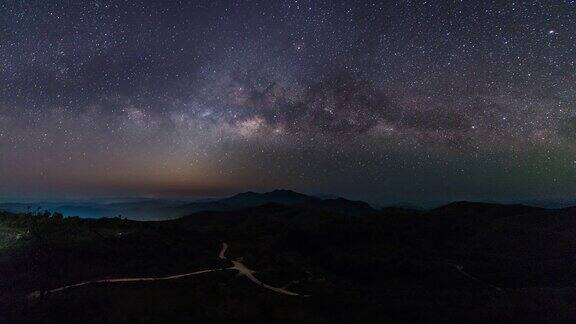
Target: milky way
x=387 y=101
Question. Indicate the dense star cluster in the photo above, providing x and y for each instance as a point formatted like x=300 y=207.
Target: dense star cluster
x=388 y=101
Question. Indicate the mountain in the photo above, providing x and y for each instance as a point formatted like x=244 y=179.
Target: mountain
x=463 y=211
x=462 y=262
x=284 y=197
x=280 y=197
x=326 y=196
x=160 y=209
x=341 y=205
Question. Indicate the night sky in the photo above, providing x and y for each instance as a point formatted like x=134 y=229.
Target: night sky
x=386 y=101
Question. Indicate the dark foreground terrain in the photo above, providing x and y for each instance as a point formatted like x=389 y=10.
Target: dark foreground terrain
x=466 y=262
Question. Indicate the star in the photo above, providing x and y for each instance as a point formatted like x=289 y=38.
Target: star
x=148 y=97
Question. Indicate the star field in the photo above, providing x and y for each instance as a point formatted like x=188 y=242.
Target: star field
x=387 y=101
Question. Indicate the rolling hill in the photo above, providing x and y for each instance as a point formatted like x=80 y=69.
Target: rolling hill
x=463 y=262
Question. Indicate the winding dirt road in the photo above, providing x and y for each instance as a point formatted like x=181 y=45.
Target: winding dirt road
x=460 y=268
x=242 y=269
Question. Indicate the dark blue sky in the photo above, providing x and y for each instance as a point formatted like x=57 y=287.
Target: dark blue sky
x=388 y=101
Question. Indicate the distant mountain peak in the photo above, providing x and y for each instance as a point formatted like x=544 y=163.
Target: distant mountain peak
x=273 y=193
x=246 y=194
x=281 y=196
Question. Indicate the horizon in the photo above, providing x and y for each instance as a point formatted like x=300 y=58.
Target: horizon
x=422 y=205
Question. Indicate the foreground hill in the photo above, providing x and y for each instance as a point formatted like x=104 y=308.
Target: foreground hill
x=461 y=262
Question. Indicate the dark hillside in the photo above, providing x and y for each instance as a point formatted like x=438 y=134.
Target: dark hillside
x=461 y=262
